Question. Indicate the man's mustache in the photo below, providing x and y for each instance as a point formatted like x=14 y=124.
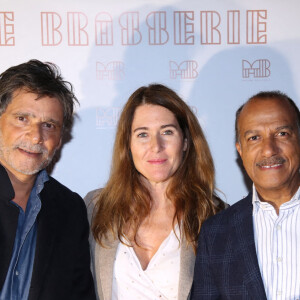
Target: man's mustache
x=277 y=160
x=31 y=148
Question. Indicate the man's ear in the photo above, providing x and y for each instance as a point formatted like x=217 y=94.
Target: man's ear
x=238 y=148
x=59 y=144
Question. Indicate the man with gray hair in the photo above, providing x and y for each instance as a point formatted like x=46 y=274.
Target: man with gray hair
x=251 y=250
x=43 y=225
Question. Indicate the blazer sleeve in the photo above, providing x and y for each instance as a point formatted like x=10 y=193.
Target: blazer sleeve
x=83 y=286
x=204 y=286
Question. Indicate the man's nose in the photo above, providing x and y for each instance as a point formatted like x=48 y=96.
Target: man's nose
x=35 y=134
x=269 y=147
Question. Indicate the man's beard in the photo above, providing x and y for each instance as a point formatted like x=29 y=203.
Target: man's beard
x=27 y=168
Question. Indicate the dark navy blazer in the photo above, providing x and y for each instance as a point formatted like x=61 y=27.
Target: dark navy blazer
x=226 y=263
x=61 y=269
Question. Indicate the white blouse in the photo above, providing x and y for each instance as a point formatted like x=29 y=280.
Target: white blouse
x=158 y=282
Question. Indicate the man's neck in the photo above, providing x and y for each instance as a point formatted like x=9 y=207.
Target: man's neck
x=277 y=197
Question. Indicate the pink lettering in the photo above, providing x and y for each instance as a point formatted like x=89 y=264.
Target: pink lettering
x=158 y=34
x=130 y=32
x=104 y=29
x=77 y=36
x=51 y=21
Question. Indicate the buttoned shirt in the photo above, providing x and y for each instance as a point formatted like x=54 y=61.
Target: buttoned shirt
x=18 y=278
x=277 y=240
x=159 y=281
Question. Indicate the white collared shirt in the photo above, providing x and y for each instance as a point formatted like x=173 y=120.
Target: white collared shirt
x=158 y=282
x=277 y=240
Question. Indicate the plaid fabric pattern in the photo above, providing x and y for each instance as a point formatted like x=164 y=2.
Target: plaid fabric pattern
x=226 y=263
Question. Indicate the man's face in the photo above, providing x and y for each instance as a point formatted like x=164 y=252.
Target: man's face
x=30 y=133
x=269 y=145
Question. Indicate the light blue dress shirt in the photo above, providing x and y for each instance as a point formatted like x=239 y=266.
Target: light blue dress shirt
x=18 y=278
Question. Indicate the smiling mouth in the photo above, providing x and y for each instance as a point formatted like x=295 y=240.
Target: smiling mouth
x=272 y=166
x=157 y=161
x=271 y=163
x=29 y=152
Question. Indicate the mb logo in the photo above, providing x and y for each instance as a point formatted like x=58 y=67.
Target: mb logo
x=260 y=68
x=185 y=70
x=114 y=70
x=107 y=117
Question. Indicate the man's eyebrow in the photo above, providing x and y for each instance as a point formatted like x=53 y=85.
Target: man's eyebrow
x=285 y=127
x=27 y=114
x=277 y=129
x=50 y=120
x=247 y=132
x=24 y=114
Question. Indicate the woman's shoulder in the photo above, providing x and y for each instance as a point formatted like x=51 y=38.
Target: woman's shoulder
x=90 y=201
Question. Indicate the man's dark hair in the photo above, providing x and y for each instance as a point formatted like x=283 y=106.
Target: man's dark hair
x=267 y=95
x=43 y=79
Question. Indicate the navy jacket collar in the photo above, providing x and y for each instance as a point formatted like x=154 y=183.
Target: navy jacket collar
x=6 y=189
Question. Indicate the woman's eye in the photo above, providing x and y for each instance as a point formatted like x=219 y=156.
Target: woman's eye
x=168 y=132
x=142 y=134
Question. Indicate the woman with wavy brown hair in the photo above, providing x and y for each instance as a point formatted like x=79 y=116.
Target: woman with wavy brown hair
x=146 y=220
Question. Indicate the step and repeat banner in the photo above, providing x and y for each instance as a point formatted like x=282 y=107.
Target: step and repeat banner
x=214 y=54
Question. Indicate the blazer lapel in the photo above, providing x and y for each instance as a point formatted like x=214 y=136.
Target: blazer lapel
x=47 y=224
x=243 y=221
x=104 y=263
x=9 y=214
x=102 y=259
x=187 y=263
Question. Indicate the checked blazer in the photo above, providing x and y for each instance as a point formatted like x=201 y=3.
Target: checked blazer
x=226 y=263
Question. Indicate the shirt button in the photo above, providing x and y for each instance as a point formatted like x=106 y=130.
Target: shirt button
x=279 y=293
x=279 y=259
x=278 y=227
x=17 y=273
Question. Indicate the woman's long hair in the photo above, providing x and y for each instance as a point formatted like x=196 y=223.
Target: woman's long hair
x=125 y=202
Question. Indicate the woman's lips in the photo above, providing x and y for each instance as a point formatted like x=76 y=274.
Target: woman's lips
x=156 y=161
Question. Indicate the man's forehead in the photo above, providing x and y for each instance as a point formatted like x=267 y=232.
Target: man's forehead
x=31 y=104
x=263 y=106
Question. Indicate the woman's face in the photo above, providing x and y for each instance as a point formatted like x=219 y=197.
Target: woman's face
x=157 y=143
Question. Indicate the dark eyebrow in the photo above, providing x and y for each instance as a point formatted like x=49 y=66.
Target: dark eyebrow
x=162 y=127
x=140 y=128
x=285 y=127
x=277 y=129
x=169 y=125
x=250 y=132
x=55 y=122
